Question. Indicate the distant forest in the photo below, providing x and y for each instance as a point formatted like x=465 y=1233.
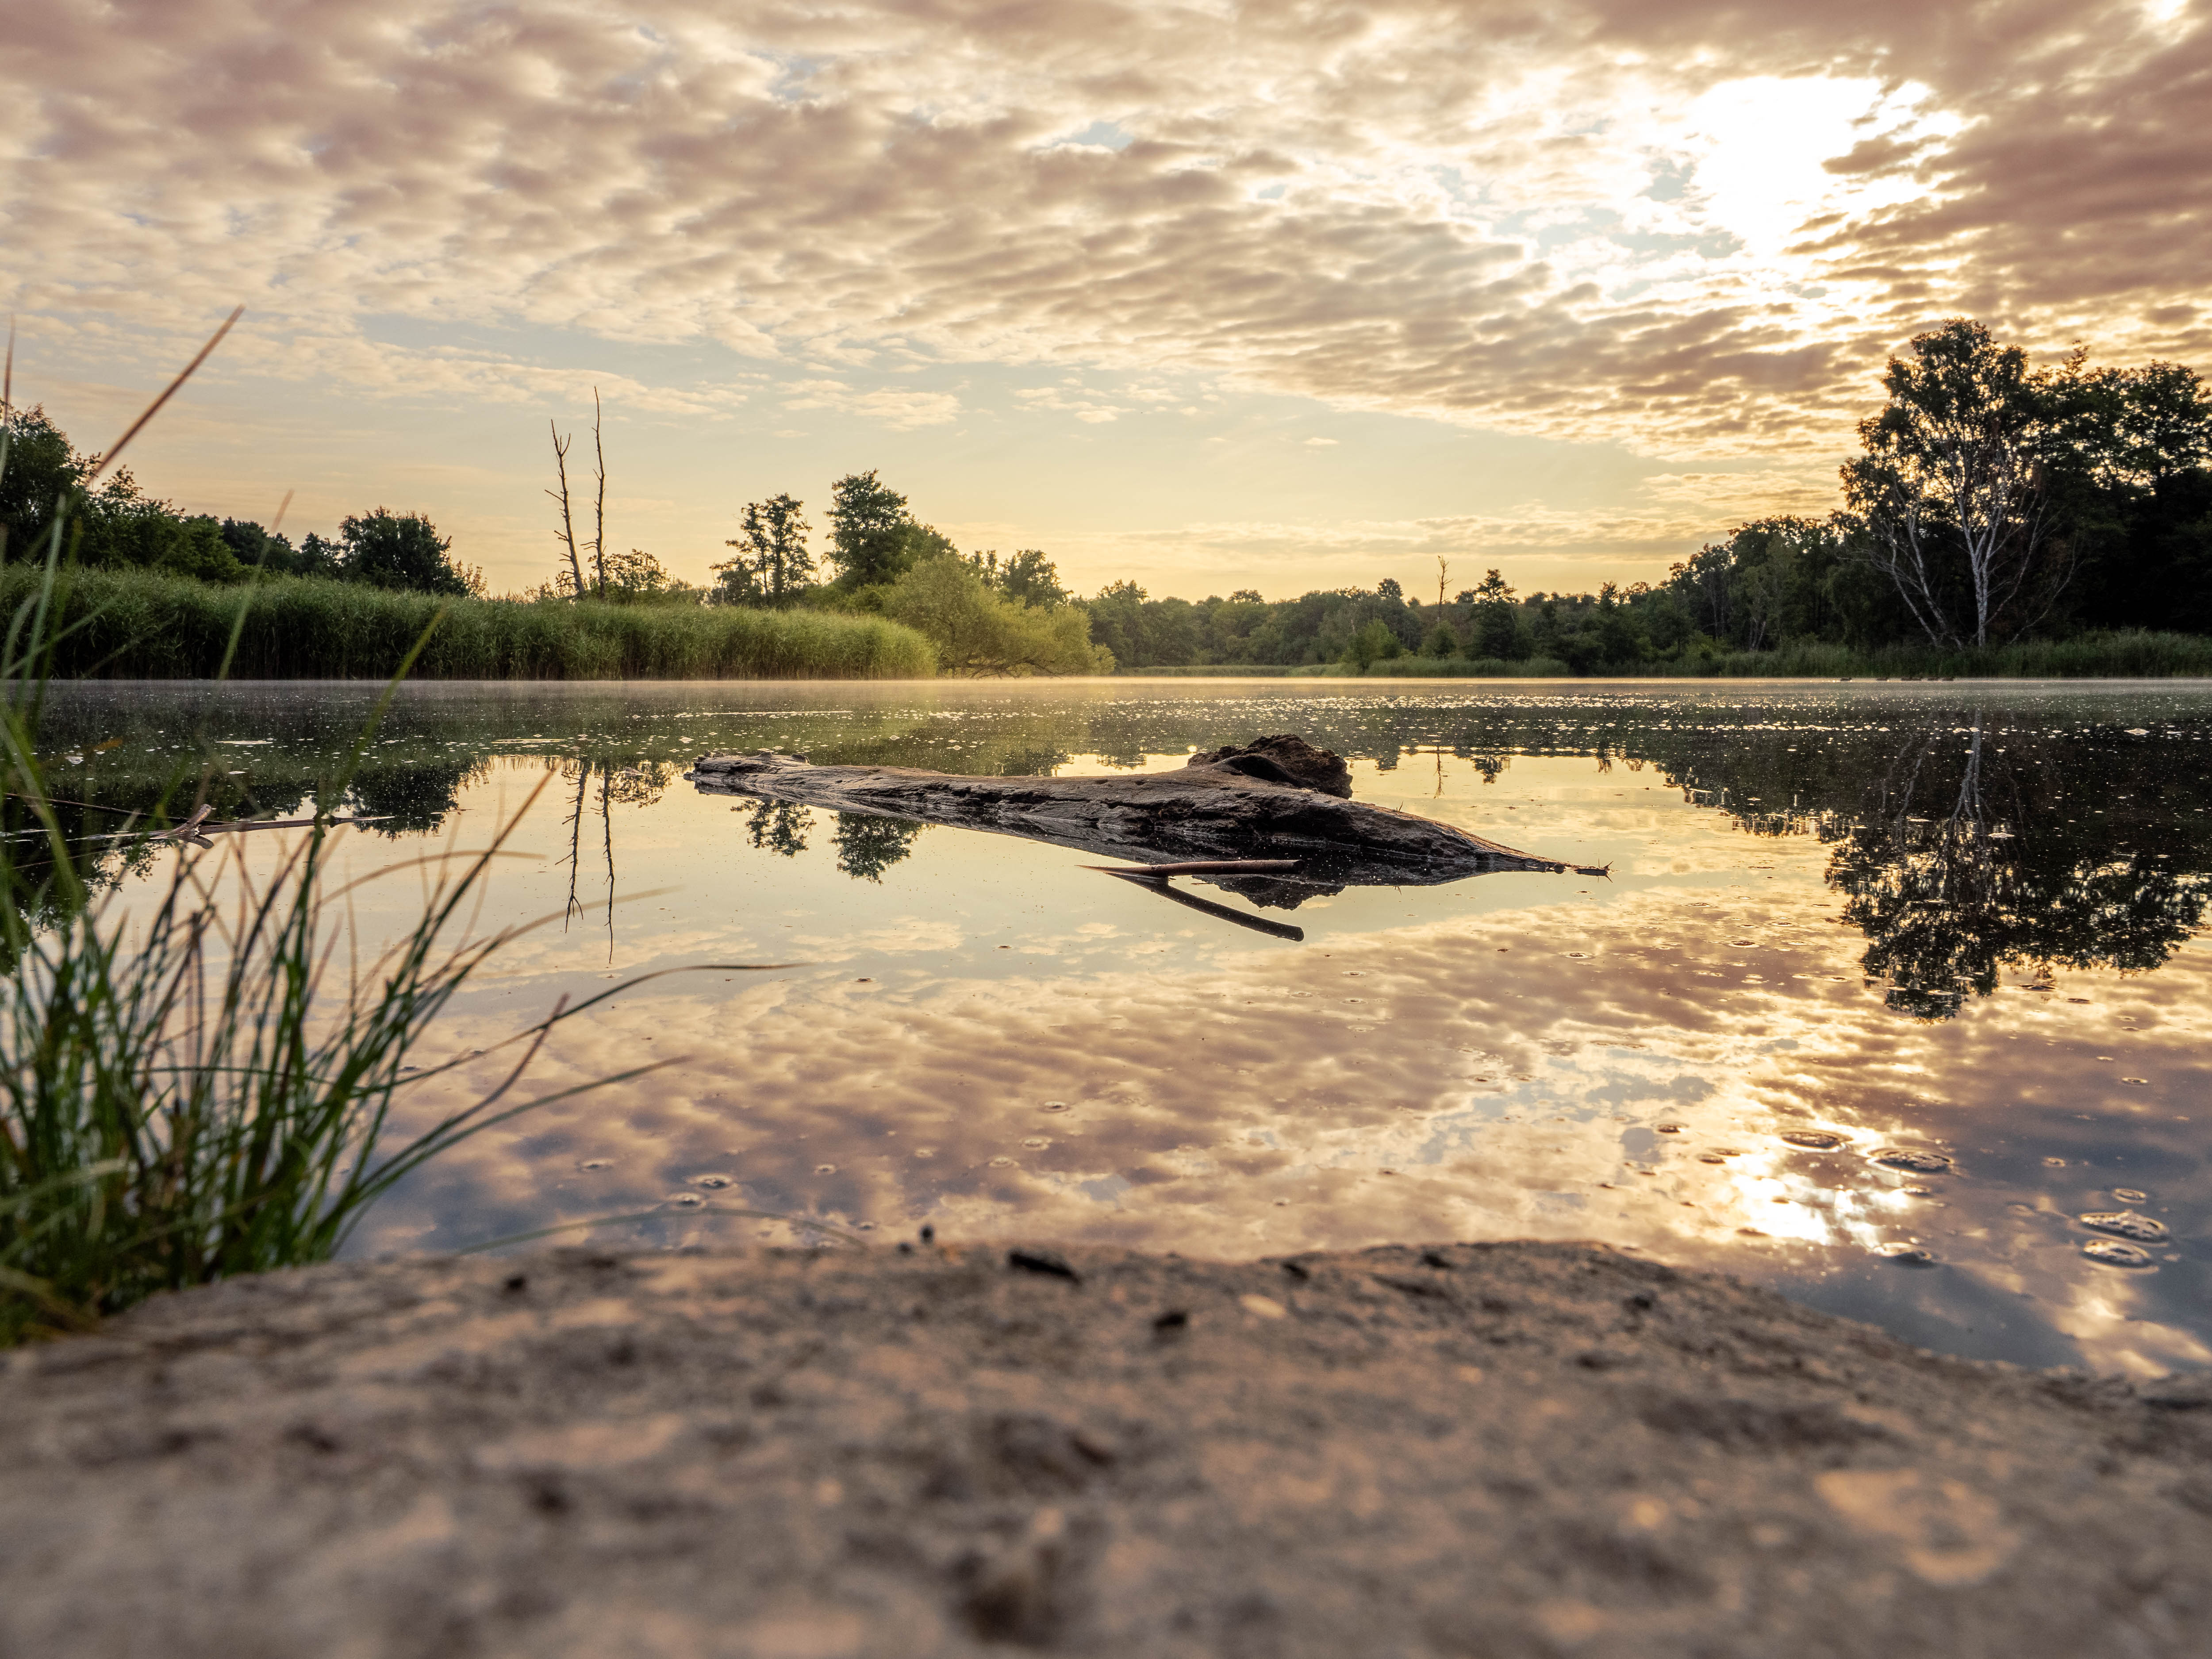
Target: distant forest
x=1991 y=503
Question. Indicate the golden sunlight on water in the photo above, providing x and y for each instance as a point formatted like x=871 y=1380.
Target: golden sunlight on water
x=1683 y=1059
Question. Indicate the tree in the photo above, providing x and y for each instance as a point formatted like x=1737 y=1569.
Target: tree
x=1953 y=488
x=2134 y=428
x=772 y=564
x=1377 y=643
x=566 y=535
x=44 y=472
x=1027 y=575
x=403 y=551
x=868 y=531
x=1496 y=620
x=978 y=631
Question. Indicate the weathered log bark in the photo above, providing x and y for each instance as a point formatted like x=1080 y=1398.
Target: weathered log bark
x=1206 y=810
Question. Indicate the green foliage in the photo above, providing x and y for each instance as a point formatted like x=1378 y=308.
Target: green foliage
x=267 y=553
x=1371 y=644
x=43 y=475
x=1027 y=576
x=868 y=531
x=632 y=578
x=402 y=550
x=772 y=566
x=977 y=631
x=142 y=625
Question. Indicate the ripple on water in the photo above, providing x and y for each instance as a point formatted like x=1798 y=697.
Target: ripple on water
x=2114 y=1253
x=2123 y=1224
x=2129 y=1195
x=712 y=1183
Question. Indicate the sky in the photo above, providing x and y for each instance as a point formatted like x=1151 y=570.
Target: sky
x=1285 y=295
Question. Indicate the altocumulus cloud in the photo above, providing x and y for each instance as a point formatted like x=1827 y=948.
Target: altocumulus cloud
x=1693 y=229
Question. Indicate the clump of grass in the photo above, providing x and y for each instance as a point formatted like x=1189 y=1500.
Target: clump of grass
x=141 y=624
x=195 y=1094
x=192 y=1096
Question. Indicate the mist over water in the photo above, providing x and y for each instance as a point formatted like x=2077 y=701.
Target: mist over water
x=1895 y=999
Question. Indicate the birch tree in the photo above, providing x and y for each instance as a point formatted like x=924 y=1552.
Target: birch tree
x=1952 y=489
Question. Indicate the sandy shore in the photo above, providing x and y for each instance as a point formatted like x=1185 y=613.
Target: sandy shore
x=1487 y=1451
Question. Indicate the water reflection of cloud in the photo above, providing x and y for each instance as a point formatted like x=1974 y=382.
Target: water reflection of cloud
x=1251 y=1105
x=1506 y=1050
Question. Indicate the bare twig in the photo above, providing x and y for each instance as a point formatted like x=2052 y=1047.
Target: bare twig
x=567 y=533
x=600 y=511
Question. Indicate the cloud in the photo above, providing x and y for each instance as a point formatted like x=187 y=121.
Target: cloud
x=1695 y=231
x=898 y=408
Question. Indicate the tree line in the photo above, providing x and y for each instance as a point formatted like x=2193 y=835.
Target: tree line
x=114 y=524
x=1991 y=502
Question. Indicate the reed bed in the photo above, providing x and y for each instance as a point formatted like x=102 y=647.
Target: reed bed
x=142 y=625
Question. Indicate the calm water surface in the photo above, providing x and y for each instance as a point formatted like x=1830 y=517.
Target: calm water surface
x=1890 y=986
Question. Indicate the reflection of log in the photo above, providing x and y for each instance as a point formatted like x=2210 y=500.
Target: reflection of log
x=1207 y=907
x=1203 y=811
x=1205 y=867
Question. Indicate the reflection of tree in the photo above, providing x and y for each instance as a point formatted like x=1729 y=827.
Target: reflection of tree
x=1948 y=896
x=866 y=845
x=412 y=799
x=778 y=826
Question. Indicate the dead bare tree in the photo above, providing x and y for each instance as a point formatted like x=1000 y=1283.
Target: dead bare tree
x=599 y=508
x=1443 y=573
x=567 y=533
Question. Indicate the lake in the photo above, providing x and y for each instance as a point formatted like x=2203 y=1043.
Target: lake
x=1895 y=999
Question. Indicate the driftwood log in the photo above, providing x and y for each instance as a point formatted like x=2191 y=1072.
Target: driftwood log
x=1276 y=798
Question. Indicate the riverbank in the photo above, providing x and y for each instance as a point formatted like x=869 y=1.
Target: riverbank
x=1513 y=1449
x=137 y=625
x=2130 y=654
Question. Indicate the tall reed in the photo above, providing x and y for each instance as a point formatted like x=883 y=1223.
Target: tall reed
x=137 y=625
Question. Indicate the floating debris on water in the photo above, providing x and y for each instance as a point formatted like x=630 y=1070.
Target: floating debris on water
x=1905 y=1255
x=2123 y=1224
x=2129 y=1195
x=1812 y=1140
x=686 y=1200
x=712 y=1182
x=2114 y=1254
x=1908 y=1158
x=1055 y=1105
